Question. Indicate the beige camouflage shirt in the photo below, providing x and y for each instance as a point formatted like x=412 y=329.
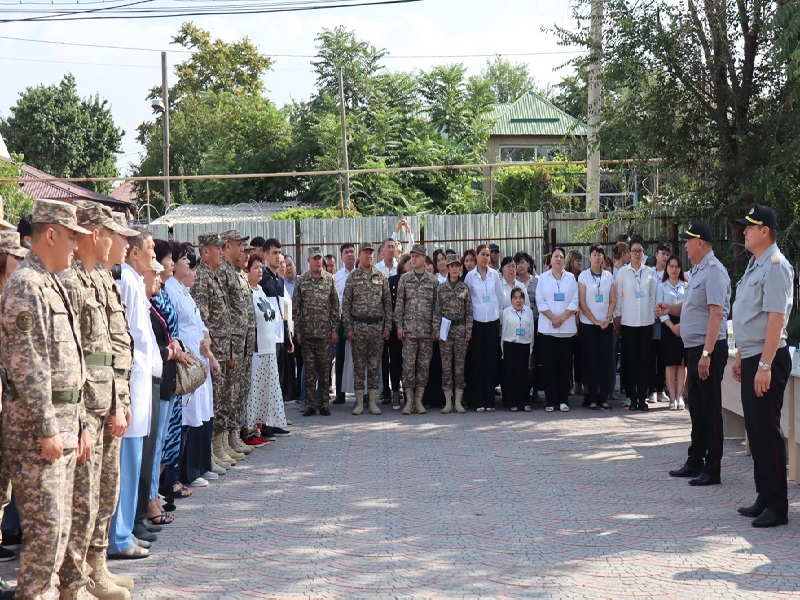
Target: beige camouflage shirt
x=366 y=296
x=453 y=302
x=119 y=334
x=416 y=297
x=237 y=306
x=315 y=306
x=41 y=350
x=212 y=302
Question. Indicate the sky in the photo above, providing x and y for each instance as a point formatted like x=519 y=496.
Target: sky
x=425 y=31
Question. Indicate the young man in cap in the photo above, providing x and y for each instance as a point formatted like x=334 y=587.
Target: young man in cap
x=494 y=257
x=367 y=319
x=760 y=313
x=315 y=306
x=86 y=293
x=704 y=331
x=41 y=350
x=413 y=317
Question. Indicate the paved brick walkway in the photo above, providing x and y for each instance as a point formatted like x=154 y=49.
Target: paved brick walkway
x=493 y=504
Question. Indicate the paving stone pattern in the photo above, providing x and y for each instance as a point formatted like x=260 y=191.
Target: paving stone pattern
x=536 y=505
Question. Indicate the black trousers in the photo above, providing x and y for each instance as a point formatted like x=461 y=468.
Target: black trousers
x=636 y=360
x=516 y=385
x=386 y=392
x=434 y=395
x=598 y=360
x=196 y=457
x=483 y=359
x=395 y=349
x=705 y=407
x=294 y=370
x=658 y=369
x=148 y=456
x=556 y=353
x=340 y=352
x=762 y=421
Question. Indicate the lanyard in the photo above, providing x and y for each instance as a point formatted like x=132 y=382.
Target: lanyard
x=675 y=290
x=638 y=277
x=519 y=315
x=598 y=279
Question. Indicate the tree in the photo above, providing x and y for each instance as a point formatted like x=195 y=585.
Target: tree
x=508 y=81
x=61 y=133
x=16 y=203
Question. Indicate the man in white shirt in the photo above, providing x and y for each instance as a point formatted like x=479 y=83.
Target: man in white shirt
x=147 y=364
x=388 y=263
x=348 y=254
x=290 y=279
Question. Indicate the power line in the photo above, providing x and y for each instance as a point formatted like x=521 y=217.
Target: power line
x=72 y=62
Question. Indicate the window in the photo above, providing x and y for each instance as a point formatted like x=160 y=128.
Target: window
x=528 y=153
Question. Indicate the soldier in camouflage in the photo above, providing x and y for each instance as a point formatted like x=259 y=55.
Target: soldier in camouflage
x=41 y=350
x=245 y=373
x=315 y=306
x=212 y=302
x=367 y=319
x=239 y=314
x=453 y=302
x=86 y=294
x=413 y=317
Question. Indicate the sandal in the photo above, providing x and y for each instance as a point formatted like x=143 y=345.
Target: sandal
x=169 y=507
x=178 y=492
x=162 y=519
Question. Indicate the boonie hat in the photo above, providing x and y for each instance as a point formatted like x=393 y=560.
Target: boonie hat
x=760 y=215
x=55 y=212
x=314 y=251
x=698 y=231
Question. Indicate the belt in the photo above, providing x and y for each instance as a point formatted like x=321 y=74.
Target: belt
x=56 y=396
x=454 y=322
x=99 y=360
x=368 y=320
x=157 y=380
x=122 y=374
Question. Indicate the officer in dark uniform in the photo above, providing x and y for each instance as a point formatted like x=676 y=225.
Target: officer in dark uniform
x=704 y=331
x=760 y=313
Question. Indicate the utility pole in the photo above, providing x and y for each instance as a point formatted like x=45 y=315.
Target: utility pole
x=595 y=92
x=165 y=127
x=344 y=144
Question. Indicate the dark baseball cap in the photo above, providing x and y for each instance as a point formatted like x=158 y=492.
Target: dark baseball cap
x=760 y=215
x=698 y=231
x=494 y=248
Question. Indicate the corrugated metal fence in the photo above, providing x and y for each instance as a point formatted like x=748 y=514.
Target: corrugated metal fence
x=188 y=231
x=330 y=234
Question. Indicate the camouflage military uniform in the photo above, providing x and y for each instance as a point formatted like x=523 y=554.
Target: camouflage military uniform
x=245 y=370
x=237 y=312
x=367 y=311
x=454 y=303
x=413 y=313
x=315 y=307
x=212 y=302
x=41 y=350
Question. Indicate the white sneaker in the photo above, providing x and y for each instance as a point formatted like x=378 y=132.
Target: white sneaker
x=210 y=476
x=199 y=482
x=673 y=404
x=681 y=405
x=652 y=398
x=563 y=408
x=627 y=402
x=662 y=397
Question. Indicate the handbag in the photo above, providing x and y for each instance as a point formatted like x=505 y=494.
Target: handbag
x=189 y=377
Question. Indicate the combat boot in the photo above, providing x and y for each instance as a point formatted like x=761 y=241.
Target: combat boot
x=459 y=397
x=220 y=451
x=97 y=562
x=359 y=408
x=448 y=402
x=418 y=401
x=101 y=586
x=373 y=403
x=217 y=467
x=235 y=442
x=237 y=456
x=409 y=407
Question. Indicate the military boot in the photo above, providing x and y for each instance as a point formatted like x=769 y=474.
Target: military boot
x=97 y=562
x=217 y=467
x=409 y=407
x=418 y=401
x=235 y=455
x=219 y=453
x=101 y=586
x=373 y=403
x=359 y=407
x=448 y=402
x=235 y=442
x=459 y=397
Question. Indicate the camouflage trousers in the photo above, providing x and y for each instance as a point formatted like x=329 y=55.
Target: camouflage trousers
x=417 y=354
x=243 y=378
x=367 y=352
x=222 y=400
x=74 y=572
x=454 y=353
x=109 y=484
x=316 y=362
x=43 y=490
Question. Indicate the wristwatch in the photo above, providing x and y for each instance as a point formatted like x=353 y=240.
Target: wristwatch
x=764 y=366
x=706 y=353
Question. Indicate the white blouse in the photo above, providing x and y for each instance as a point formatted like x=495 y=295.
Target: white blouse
x=598 y=294
x=665 y=292
x=557 y=296
x=505 y=300
x=265 y=330
x=636 y=296
x=485 y=294
x=517 y=327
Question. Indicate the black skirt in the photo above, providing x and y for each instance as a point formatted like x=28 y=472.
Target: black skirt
x=672 y=346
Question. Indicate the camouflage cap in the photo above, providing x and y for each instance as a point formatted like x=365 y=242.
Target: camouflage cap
x=9 y=244
x=366 y=246
x=232 y=235
x=453 y=258
x=93 y=214
x=54 y=212
x=209 y=239
x=314 y=251
x=419 y=249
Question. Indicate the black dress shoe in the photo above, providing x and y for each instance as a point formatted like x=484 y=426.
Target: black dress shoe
x=325 y=411
x=633 y=406
x=686 y=470
x=751 y=511
x=769 y=518
x=643 y=406
x=338 y=400
x=309 y=412
x=704 y=479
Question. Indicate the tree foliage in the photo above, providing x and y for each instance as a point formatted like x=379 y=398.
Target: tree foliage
x=61 y=133
x=508 y=81
x=16 y=203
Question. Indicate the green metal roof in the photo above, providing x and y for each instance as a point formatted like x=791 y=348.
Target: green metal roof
x=531 y=114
